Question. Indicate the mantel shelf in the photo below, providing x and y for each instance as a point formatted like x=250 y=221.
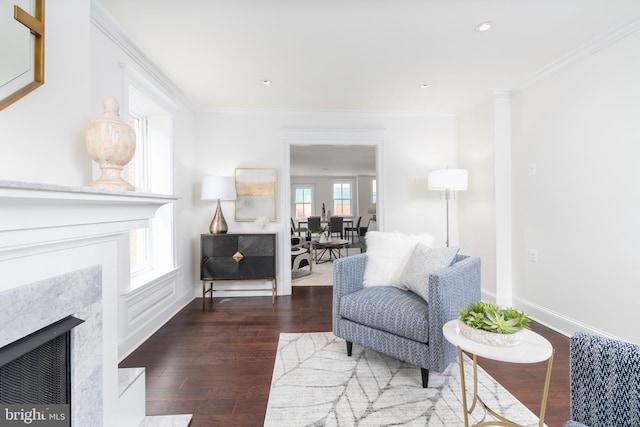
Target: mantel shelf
x=25 y=206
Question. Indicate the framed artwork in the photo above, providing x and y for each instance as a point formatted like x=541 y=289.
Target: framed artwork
x=21 y=49
x=256 y=193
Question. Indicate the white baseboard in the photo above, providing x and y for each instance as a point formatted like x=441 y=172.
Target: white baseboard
x=551 y=319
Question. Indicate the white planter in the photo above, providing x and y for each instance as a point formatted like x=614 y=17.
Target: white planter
x=491 y=338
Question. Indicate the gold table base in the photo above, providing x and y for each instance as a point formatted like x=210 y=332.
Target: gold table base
x=500 y=420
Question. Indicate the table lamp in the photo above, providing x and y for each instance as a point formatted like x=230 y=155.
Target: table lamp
x=220 y=188
x=448 y=181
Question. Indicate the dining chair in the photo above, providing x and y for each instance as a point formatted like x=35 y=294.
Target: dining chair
x=313 y=224
x=335 y=225
x=352 y=232
x=297 y=229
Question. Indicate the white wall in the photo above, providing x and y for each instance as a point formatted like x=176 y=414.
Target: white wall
x=579 y=129
x=42 y=134
x=580 y=211
x=147 y=309
x=413 y=145
x=477 y=205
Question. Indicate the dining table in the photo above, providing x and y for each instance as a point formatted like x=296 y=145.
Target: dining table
x=346 y=222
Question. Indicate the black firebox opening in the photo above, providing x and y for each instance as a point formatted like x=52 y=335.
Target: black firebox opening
x=36 y=369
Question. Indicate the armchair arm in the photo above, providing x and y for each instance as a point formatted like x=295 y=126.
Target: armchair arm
x=450 y=289
x=348 y=275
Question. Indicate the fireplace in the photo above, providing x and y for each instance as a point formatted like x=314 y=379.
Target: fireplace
x=36 y=369
x=64 y=252
x=30 y=320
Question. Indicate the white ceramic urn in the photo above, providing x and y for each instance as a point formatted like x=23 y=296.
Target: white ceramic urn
x=111 y=143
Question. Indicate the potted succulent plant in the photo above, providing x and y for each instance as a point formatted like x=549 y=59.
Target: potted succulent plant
x=489 y=323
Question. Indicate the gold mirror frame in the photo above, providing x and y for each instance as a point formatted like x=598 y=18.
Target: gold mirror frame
x=36 y=26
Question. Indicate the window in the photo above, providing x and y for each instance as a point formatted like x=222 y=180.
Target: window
x=303 y=196
x=374 y=191
x=342 y=198
x=152 y=250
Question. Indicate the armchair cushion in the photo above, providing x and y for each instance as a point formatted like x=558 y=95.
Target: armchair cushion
x=388 y=254
x=423 y=261
x=389 y=309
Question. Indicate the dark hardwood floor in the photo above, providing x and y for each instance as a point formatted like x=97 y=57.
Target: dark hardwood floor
x=217 y=363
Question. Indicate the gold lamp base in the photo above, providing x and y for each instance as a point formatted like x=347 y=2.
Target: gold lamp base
x=218 y=224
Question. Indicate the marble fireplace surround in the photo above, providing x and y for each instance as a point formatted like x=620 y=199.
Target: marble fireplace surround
x=79 y=294
x=64 y=251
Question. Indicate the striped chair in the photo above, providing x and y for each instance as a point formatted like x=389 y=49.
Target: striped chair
x=605 y=382
x=400 y=323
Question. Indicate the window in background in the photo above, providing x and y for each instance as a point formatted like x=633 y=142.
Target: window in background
x=152 y=251
x=342 y=198
x=374 y=192
x=303 y=201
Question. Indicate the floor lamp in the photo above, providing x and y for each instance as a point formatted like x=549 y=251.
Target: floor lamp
x=448 y=181
x=220 y=188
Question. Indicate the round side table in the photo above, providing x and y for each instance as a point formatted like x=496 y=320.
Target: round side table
x=535 y=348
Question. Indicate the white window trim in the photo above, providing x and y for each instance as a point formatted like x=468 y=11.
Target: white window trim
x=293 y=197
x=145 y=277
x=351 y=184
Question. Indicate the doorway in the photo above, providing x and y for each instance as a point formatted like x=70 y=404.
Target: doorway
x=315 y=156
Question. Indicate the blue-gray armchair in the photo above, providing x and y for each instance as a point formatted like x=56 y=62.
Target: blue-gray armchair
x=604 y=379
x=398 y=322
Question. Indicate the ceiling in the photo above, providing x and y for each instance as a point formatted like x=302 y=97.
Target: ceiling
x=332 y=160
x=370 y=55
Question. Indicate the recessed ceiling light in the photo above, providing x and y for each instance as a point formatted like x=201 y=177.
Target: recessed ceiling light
x=424 y=86
x=266 y=82
x=485 y=26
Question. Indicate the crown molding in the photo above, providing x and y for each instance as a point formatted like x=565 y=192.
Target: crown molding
x=104 y=22
x=576 y=55
x=581 y=52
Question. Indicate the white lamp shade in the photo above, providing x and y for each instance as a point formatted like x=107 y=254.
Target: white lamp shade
x=448 y=179
x=218 y=187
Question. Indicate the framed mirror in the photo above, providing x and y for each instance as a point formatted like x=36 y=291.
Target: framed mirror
x=21 y=48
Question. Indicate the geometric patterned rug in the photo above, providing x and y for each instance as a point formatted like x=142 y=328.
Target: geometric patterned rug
x=315 y=383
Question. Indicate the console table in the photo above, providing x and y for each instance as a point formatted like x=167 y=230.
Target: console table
x=237 y=257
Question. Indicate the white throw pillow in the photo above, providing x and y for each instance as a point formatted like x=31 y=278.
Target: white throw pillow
x=388 y=253
x=422 y=262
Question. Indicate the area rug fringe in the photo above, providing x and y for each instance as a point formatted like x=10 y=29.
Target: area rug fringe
x=315 y=383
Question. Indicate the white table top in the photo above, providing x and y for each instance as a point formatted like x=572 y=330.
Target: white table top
x=535 y=347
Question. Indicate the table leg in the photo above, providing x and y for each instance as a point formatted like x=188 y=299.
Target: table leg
x=273 y=291
x=545 y=393
x=475 y=383
x=499 y=419
x=204 y=293
x=464 y=388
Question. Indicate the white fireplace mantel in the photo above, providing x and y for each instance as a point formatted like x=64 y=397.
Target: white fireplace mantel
x=50 y=237
x=32 y=206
